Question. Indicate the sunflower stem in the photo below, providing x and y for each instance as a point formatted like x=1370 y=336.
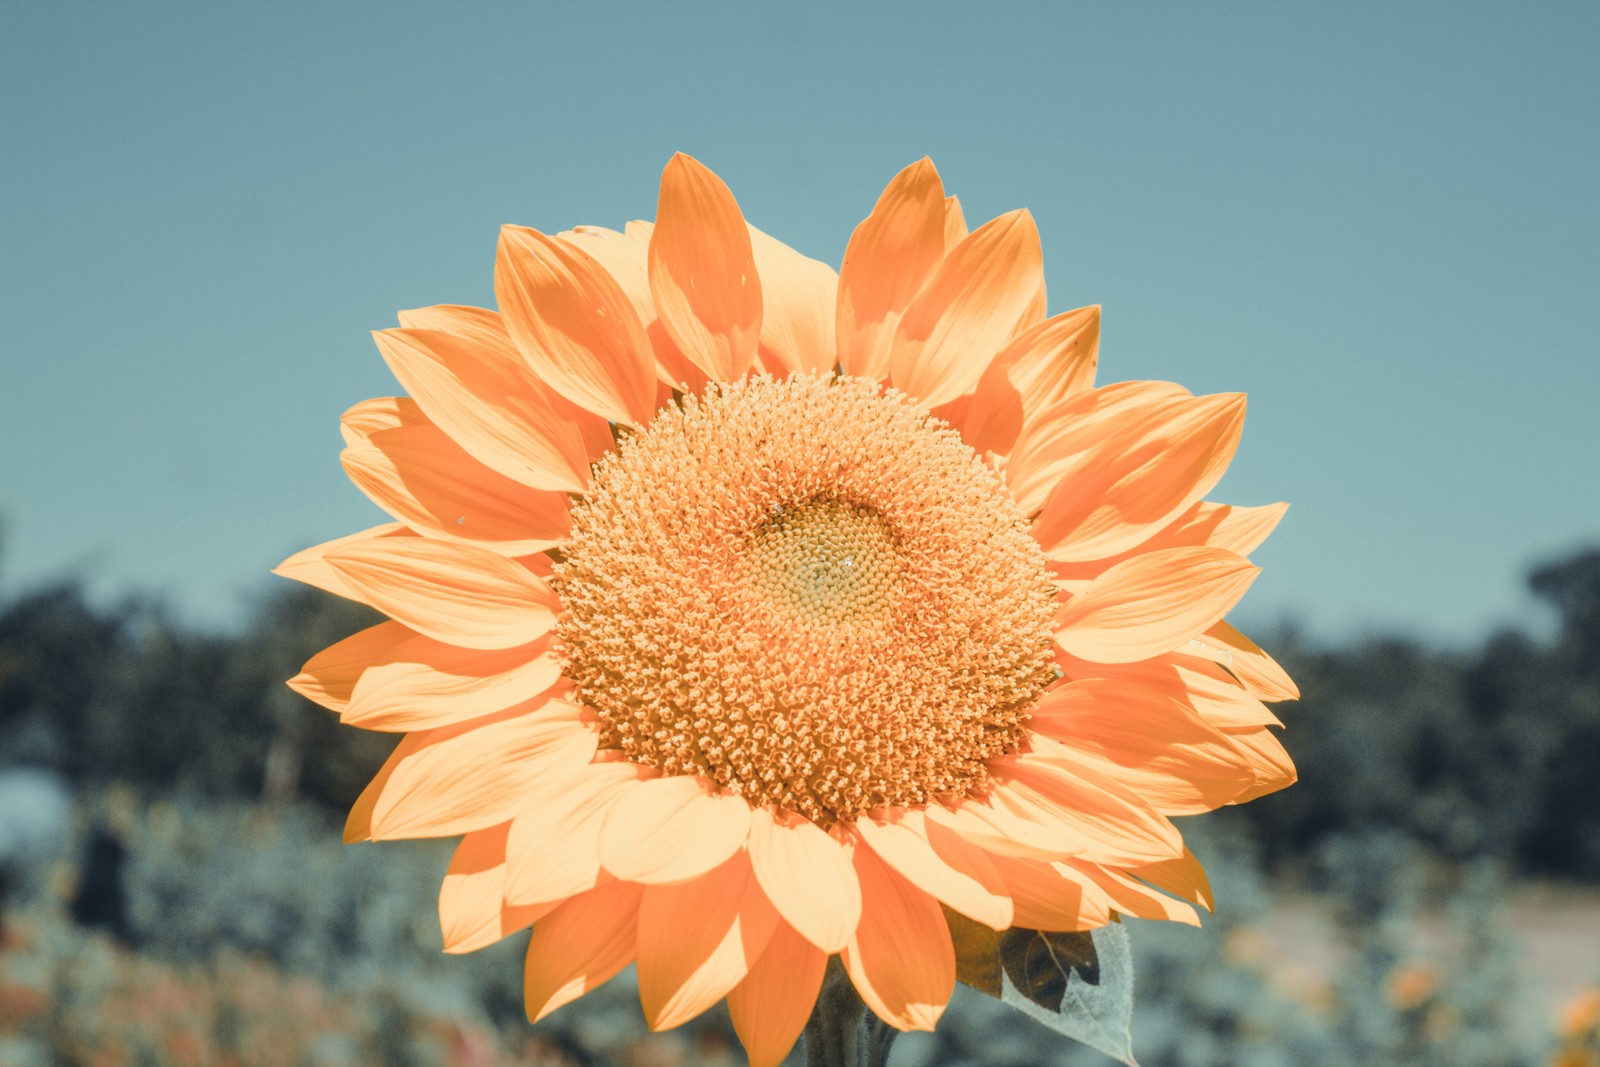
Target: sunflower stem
x=842 y=1032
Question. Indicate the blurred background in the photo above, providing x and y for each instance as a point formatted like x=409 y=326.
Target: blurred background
x=1377 y=220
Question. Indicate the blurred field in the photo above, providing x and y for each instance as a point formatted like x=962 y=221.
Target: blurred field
x=259 y=940
x=1429 y=893
x=1552 y=933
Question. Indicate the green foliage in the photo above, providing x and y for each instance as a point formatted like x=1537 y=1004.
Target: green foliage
x=1078 y=984
x=254 y=925
x=129 y=696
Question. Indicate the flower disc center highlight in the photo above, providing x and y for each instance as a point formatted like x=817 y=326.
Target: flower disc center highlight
x=826 y=562
x=809 y=591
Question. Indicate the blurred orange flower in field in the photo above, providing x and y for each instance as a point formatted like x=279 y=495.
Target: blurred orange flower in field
x=1410 y=985
x=1581 y=1013
x=744 y=613
x=1575 y=1057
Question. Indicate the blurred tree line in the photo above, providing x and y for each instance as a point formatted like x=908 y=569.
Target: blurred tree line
x=1491 y=752
x=124 y=694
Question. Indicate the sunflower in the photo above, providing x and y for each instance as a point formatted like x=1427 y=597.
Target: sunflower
x=745 y=614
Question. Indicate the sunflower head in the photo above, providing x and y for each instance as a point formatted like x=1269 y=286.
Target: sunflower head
x=810 y=592
x=744 y=614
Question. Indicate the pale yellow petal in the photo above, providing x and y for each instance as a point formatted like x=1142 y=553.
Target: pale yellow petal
x=939 y=862
x=890 y=255
x=968 y=310
x=697 y=940
x=458 y=594
x=703 y=276
x=672 y=829
x=807 y=874
x=1153 y=603
x=900 y=958
x=770 y=1007
x=581 y=945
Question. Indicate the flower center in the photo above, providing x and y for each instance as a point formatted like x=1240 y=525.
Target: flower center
x=810 y=592
x=824 y=562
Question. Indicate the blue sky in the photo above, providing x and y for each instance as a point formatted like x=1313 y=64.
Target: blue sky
x=1380 y=221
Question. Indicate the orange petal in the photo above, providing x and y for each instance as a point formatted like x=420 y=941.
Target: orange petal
x=1033 y=314
x=697 y=940
x=485 y=398
x=420 y=683
x=890 y=255
x=1257 y=671
x=1148 y=741
x=967 y=311
x=621 y=255
x=1205 y=525
x=1153 y=603
x=363 y=420
x=1003 y=824
x=808 y=876
x=771 y=1006
x=954 y=412
x=455 y=593
x=463 y=778
x=574 y=326
x=309 y=566
x=1112 y=824
x=625 y=256
x=672 y=829
x=580 y=946
x=540 y=565
x=672 y=366
x=798 y=296
x=1226 y=526
x=424 y=479
x=1041 y=368
x=703 y=275
x=1212 y=692
x=1218 y=696
x=900 y=958
x=953 y=871
x=1130 y=897
x=481 y=326
x=955 y=223
x=1274 y=769
x=1054 y=446
x=1183 y=877
x=329 y=678
x=358 y=824
x=472 y=911
x=554 y=846
x=1051 y=896
x=1140 y=478
x=486 y=327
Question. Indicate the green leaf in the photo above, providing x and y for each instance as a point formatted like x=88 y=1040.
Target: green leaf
x=1077 y=984
x=977 y=953
x=1039 y=964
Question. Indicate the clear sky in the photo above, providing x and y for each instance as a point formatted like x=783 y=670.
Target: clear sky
x=1381 y=221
